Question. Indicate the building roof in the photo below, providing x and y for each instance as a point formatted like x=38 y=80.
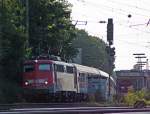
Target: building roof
x=133 y=73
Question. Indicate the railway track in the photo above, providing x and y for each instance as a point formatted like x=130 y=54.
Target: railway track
x=63 y=108
x=49 y=105
x=43 y=105
x=73 y=110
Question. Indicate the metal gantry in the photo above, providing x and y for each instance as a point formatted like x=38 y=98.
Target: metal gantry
x=140 y=63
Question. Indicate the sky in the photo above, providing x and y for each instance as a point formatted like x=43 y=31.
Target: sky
x=131 y=34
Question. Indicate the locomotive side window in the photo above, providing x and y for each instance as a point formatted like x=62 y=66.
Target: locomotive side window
x=60 y=68
x=69 y=69
x=44 y=67
x=82 y=77
x=28 y=68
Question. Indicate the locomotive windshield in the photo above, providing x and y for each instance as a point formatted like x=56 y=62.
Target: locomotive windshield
x=28 y=67
x=45 y=67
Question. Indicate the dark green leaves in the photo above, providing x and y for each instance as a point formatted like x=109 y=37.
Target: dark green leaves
x=50 y=27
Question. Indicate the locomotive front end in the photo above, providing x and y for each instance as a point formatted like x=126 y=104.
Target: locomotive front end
x=38 y=80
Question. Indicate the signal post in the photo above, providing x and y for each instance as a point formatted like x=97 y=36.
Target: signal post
x=110 y=50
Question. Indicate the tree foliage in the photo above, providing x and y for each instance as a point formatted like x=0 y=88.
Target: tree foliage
x=93 y=50
x=12 y=38
x=50 y=28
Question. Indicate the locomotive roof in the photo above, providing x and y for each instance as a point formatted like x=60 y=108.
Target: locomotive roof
x=38 y=61
x=81 y=68
x=48 y=61
x=86 y=69
x=62 y=63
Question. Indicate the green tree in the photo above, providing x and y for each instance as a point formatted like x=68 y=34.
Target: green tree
x=50 y=28
x=12 y=37
x=93 y=50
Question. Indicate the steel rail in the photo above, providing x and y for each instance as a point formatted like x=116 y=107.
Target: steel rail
x=73 y=111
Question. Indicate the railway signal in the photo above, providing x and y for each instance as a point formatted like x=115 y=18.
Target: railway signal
x=110 y=50
x=110 y=31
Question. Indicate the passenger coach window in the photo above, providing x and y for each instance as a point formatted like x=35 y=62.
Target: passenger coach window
x=44 y=67
x=69 y=69
x=60 y=68
x=28 y=68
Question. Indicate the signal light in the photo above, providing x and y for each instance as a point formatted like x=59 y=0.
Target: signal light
x=110 y=31
x=46 y=82
x=112 y=51
x=26 y=83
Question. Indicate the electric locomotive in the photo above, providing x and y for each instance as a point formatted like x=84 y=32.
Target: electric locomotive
x=54 y=79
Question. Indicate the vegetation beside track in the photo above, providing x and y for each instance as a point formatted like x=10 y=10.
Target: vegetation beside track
x=133 y=96
x=45 y=29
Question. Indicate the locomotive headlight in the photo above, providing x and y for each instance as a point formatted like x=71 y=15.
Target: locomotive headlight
x=26 y=83
x=46 y=82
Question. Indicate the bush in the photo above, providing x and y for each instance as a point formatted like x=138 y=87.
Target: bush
x=132 y=97
x=148 y=103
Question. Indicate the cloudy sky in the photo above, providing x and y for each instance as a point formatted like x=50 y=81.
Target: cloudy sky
x=131 y=34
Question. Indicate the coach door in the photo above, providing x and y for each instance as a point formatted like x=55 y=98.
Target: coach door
x=59 y=72
x=83 y=83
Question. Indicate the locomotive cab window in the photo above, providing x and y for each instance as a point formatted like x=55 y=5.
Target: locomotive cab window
x=44 y=67
x=59 y=68
x=28 y=68
x=69 y=69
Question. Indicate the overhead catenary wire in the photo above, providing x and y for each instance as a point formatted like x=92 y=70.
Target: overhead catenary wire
x=108 y=9
x=119 y=9
x=112 y=9
x=97 y=11
x=85 y=22
x=124 y=25
x=129 y=5
x=136 y=29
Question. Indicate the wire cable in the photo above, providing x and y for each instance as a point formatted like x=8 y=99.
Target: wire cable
x=128 y=5
x=112 y=9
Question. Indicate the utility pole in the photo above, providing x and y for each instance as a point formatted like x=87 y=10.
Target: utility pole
x=110 y=50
